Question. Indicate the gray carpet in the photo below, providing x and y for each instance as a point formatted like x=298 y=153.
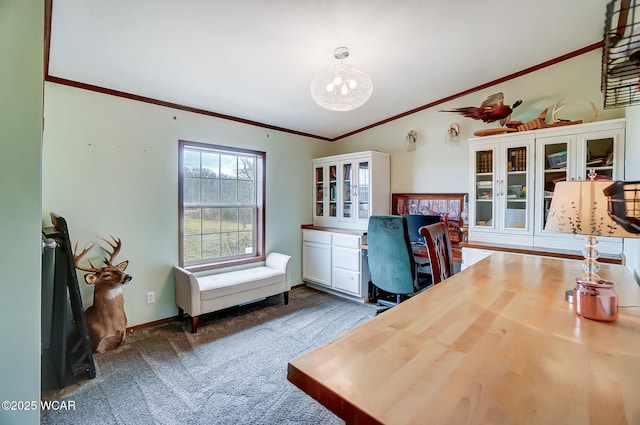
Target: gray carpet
x=233 y=371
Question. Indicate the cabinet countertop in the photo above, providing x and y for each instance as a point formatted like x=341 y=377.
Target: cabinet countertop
x=547 y=252
x=334 y=229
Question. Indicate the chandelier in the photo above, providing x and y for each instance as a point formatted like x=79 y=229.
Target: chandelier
x=341 y=87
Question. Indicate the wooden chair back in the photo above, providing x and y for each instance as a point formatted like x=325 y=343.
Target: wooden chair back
x=440 y=253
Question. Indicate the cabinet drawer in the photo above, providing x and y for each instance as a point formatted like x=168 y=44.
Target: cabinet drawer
x=345 y=258
x=316 y=236
x=346 y=280
x=347 y=241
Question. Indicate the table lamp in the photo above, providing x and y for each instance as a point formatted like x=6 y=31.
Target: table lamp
x=582 y=208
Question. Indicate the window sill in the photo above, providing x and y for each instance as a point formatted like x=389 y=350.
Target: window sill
x=194 y=268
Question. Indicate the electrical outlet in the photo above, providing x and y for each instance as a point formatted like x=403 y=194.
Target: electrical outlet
x=151 y=297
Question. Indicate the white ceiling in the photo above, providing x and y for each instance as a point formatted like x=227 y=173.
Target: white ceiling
x=255 y=59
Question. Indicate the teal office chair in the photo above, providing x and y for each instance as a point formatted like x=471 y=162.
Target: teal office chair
x=391 y=264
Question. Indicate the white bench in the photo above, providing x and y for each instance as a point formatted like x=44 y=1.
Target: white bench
x=198 y=295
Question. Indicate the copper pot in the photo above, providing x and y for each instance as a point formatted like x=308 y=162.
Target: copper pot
x=595 y=298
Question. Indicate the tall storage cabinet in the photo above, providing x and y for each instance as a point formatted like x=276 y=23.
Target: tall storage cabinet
x=564 y=154
x=500 y=199
x=349 y=188
x=509 y=196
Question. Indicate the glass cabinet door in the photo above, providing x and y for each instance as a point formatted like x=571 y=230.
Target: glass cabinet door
x=319 y=190
x=568 y=158
x=363 y=190
x=333 y=191
x=347 y=182
x=556 y=167
x=484 y=181
x=514 y=188
x=503 y=173
x=599 y=157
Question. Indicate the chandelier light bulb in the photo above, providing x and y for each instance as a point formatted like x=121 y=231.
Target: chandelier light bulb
x=341 y=87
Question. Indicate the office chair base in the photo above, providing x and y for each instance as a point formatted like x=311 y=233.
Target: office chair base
x=387 y=304
x=382 y=310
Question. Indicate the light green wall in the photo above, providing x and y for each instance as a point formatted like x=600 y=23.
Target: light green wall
x=21 y=62
x=436 y=166
x=111 y=167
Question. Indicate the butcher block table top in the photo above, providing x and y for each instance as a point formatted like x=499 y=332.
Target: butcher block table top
x=494 y=344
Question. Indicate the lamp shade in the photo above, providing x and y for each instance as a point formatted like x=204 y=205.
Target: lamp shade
x=341 y=87
x=580 y=207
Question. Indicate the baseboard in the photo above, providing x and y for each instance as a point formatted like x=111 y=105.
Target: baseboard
x=171 y=319
x=151 y=324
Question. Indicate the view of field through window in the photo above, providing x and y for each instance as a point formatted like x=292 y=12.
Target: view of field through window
x=219 y=204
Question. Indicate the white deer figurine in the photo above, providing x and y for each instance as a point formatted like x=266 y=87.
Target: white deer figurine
x=106 y=319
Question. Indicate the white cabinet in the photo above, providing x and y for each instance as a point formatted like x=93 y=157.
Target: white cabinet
x=500 y=202
x=533 y=162
x=568 y=154
x=348 y=188
x=333 y=262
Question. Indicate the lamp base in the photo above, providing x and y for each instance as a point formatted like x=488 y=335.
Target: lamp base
x=568 y=296
x=590 y=265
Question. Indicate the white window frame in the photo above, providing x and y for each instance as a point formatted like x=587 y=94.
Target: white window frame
x=257 y=205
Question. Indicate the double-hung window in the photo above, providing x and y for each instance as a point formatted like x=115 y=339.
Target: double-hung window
x=221 y=196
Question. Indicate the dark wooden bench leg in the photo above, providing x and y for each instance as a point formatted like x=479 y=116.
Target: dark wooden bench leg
x=194 y=324
x=180 y=314
x=286 y=297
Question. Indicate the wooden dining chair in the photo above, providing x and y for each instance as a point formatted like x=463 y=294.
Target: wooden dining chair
x=440 y=253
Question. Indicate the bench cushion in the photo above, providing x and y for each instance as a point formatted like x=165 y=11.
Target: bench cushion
x=220 y=285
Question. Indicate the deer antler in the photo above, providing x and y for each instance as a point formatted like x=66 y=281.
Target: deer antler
x=555 y=110
x=77 y=257
x=116 y=249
